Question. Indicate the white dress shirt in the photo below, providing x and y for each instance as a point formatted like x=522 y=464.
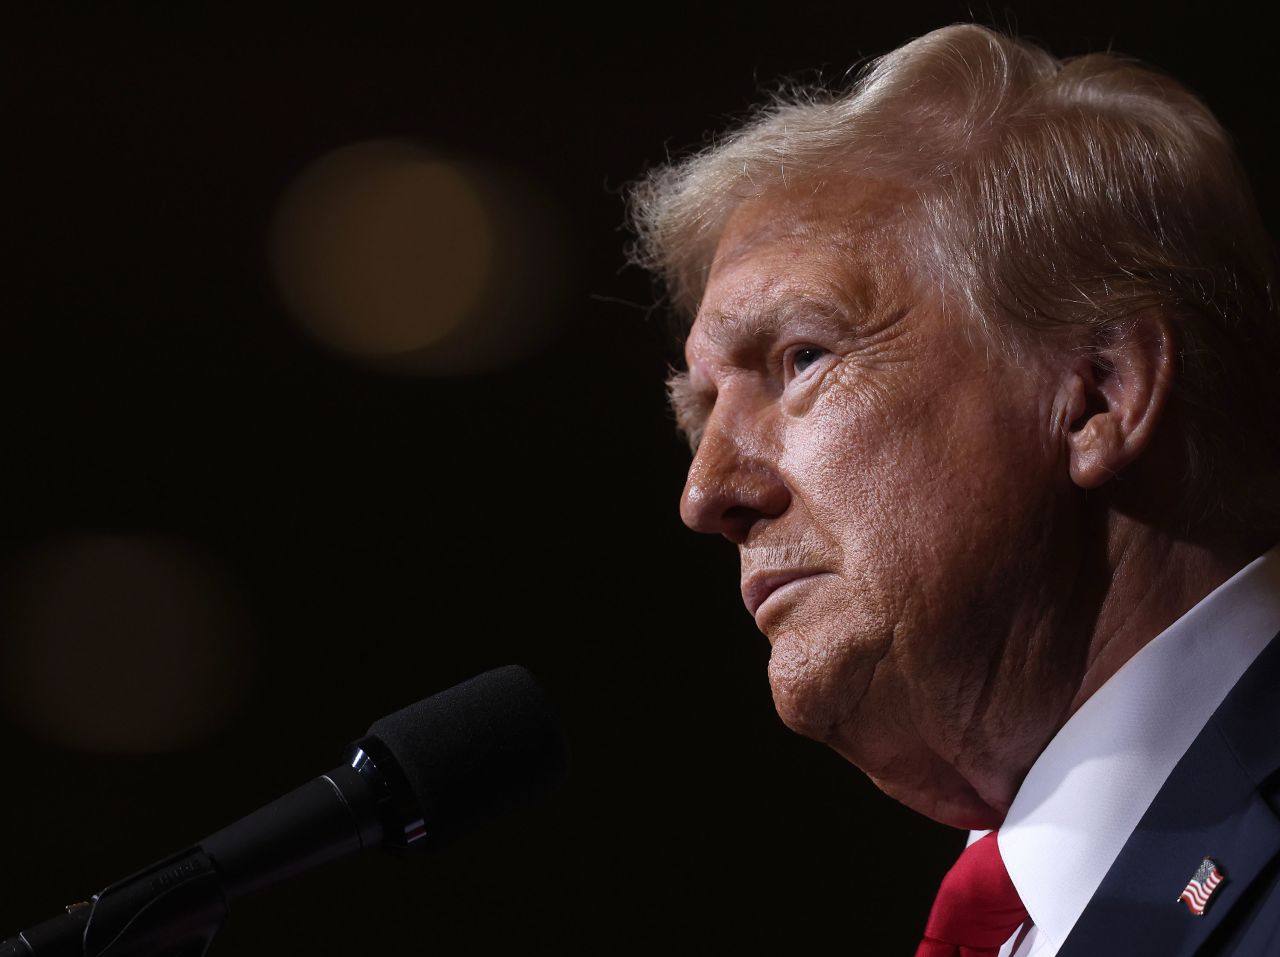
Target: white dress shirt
x=1089 y=788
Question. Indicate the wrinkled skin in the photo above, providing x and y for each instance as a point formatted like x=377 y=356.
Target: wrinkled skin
x=961 y=593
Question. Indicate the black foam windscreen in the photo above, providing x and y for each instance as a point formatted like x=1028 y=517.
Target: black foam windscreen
x=483 y=747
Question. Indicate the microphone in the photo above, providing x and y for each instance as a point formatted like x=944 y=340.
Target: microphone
x=420 y=778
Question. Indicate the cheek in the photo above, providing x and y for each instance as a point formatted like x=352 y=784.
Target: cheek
x=864 y=463
x=918 y=485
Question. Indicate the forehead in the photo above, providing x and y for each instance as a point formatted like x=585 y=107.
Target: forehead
x=832 y=245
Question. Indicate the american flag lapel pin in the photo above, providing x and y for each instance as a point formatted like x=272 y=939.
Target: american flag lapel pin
x=1201 y=886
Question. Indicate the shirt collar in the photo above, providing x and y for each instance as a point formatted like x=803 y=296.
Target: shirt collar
x=1087 y=791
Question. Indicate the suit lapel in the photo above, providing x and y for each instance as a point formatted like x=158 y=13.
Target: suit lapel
x=1209 y=806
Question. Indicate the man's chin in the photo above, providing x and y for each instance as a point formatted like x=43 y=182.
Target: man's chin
x=807 y=693
x=818 y=683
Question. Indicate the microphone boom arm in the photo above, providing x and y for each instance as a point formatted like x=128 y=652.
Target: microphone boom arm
x=174 y=907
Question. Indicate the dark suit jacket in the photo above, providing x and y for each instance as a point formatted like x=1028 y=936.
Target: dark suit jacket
x=1222 y=800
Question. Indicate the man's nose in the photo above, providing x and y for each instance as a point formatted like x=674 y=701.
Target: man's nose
x=730 y=488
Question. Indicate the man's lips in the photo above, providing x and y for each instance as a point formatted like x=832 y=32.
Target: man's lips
x=758 y=586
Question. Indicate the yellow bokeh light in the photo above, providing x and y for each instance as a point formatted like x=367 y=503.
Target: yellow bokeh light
x=382 y=249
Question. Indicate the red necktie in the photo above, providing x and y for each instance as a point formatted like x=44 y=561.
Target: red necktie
x=977 y=908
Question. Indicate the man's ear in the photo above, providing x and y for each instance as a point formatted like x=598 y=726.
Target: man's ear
x=1113 y=397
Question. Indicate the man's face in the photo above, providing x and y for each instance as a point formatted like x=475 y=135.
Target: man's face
x=897 y=500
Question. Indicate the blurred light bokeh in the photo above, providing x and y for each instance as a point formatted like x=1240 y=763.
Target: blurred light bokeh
x=393 y=256
x=122 y=644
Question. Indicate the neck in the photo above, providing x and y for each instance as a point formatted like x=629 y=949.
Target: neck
x=1150 y=579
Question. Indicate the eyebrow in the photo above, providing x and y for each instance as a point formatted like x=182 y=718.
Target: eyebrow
x=755 y=324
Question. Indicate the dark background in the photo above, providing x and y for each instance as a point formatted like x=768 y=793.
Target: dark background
x=388 y=535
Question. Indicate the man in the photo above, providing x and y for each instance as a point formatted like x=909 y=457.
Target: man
x=982 y=381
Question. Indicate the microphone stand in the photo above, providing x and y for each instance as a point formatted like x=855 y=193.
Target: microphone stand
x=175 y=907
x=171 y=909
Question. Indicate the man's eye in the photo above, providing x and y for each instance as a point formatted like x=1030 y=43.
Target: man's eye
x=804 y=357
